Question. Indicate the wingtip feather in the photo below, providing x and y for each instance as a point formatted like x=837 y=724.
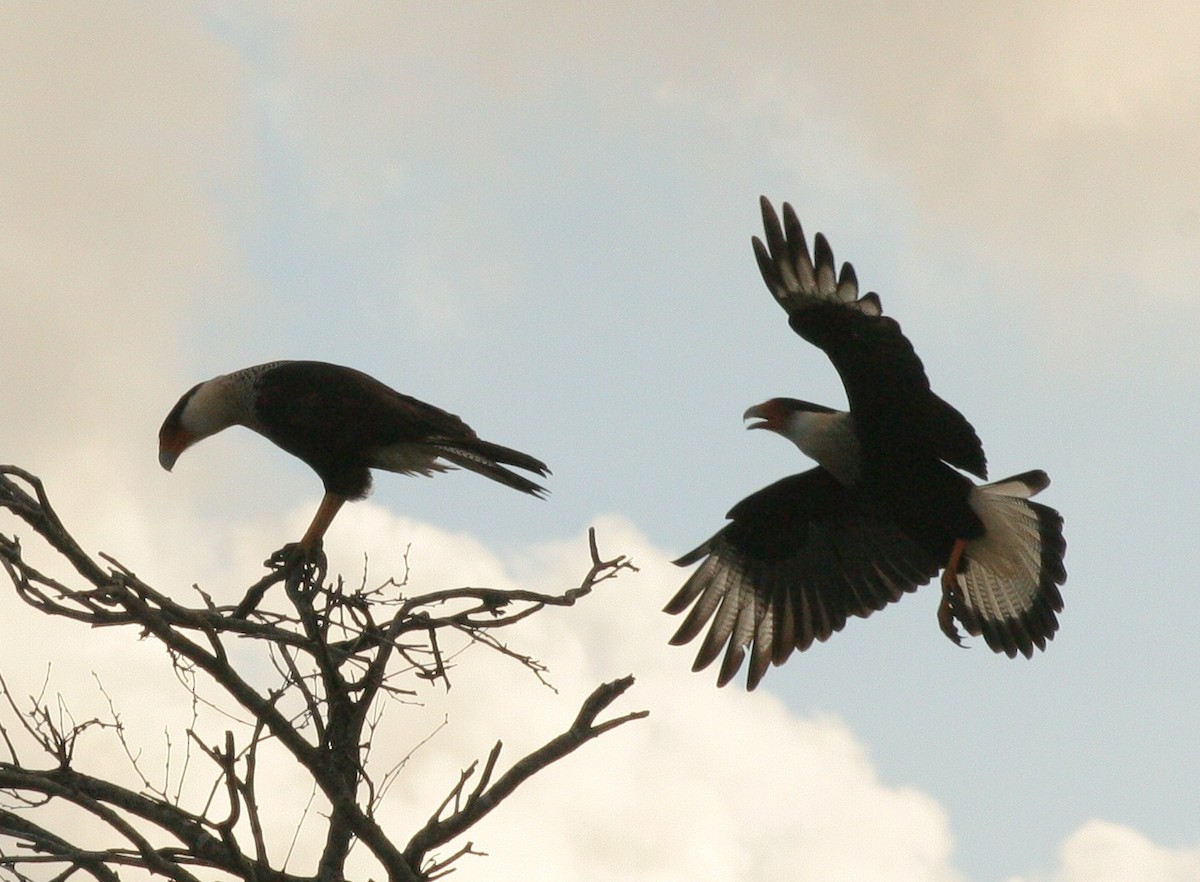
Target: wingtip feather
x=798 y=279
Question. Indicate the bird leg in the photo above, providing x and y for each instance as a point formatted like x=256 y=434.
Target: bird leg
x=298 y=566
x=321 y=520
x=308 y=550
x=951 y=593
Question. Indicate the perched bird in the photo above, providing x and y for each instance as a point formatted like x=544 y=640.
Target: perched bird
x=343 y=423
x=886 y=507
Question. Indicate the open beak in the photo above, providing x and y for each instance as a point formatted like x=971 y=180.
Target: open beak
x=761 y=412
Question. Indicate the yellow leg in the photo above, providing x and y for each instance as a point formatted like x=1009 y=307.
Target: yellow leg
x=950 y=574
x=320 y=523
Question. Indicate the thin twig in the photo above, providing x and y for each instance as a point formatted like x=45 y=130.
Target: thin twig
x=333 y=653
x=439 y=830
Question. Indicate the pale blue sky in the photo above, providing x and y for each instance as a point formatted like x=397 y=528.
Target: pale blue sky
x=539 y=217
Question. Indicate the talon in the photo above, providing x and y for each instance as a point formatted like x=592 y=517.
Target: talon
x=946 y=621
x=294 y=554
x=299 y=563
x=952 y=596
x=316 y=559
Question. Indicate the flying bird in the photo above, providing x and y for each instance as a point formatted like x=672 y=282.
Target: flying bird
x=886 y=507
x=343 y=423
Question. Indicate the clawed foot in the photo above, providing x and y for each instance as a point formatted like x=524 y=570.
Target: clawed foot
x=294 y=554
x=952 y=600
x=952 y=596
x=946 y=616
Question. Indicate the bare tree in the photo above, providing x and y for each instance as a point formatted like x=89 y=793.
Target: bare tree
x=337 y=654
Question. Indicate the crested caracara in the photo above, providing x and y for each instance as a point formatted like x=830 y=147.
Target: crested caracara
x=886 y=508
x=343 y=423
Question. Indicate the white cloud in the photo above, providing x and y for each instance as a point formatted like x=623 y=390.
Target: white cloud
x=1051 y=144
x=1054 y=142
x=122 y=125
x=1101 y=851
x=715 y=784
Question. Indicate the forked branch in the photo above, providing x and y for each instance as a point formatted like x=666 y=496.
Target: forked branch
x=335 y=654
x=485 y=796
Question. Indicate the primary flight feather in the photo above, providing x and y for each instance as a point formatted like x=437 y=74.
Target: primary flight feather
x=885 y=509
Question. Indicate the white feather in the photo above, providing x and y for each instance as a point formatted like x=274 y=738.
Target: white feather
x=408 y=459
x=1004 y=573
x=828 y=439
x=221 y=402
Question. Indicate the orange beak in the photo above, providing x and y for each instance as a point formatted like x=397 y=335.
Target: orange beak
x=170 y=445
x=768 y=413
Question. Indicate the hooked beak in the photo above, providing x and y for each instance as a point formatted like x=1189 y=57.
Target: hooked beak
x=762 y=412
x=170 y=445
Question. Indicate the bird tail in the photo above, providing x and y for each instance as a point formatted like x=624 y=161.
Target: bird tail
x=1009 y=583
x=489 y=460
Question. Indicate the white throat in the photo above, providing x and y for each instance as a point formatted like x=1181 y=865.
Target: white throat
x=829 y=439
x=222 y=402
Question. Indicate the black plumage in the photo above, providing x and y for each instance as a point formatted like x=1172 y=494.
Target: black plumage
x=343 y=423
x=338 y=419
x=797 y=559
x=886 y=508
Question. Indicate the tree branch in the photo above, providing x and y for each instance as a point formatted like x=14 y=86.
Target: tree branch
x=335 y=653
x=483 y=799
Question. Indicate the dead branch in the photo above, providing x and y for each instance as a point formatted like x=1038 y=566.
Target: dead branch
x=335 y=652
x=439 y=830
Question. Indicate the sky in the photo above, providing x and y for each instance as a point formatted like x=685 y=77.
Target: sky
x=538 y=216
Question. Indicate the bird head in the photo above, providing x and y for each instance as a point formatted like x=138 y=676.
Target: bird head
x=822 y=433
x=174 y=437
x=204 y=410
x=787 y=416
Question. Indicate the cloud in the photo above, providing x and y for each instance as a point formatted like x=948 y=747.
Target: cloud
x=715 y=784
x=1101 y=851
x=1048 y=145
x=1049 y=142
x=121 y=127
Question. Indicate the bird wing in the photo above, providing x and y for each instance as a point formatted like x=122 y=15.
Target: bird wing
x=885 y=382
x=797 y=559
x=341 y=420
x=336 y=419
x=342 y=408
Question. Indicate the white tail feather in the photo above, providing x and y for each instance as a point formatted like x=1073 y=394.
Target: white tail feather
x=1004 y=572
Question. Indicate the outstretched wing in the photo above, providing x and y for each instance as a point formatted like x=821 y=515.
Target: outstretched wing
x=797 y=559
x=885 y=381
